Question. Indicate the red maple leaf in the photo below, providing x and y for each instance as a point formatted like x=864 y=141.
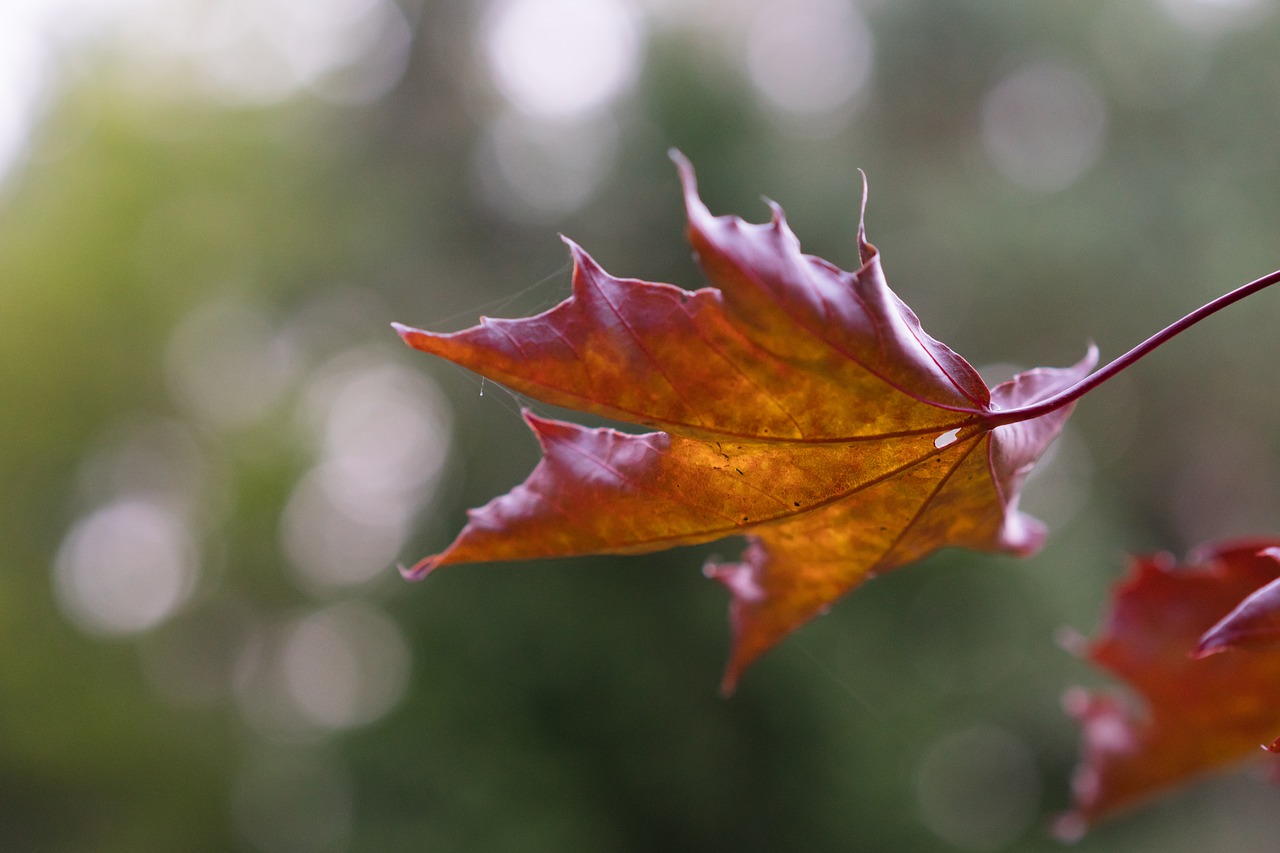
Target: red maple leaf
x=1196 y=713
x=797 y=404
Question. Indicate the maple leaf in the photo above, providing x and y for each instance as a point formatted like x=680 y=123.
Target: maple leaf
x=797 y=404
x=1197 y=713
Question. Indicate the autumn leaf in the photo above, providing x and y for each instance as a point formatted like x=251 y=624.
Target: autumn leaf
x=796 y=404
x=1196 y=714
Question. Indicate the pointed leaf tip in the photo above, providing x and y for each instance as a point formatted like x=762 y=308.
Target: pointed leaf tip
x=689 y=185
x=865 y=250
x=582 y=260
x=418 y=571
x=575 y=248
x=414 y=338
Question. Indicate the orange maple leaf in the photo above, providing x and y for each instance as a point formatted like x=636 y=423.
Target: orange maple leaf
x=799 y=405
x=1197 y=713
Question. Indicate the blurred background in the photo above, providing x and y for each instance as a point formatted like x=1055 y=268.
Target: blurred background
x=213 y=449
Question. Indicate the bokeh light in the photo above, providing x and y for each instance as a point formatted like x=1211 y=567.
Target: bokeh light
x=23 y=87
x=162 y=460
x=335 y=668
x=227 y=365
x=1212 y=17
x=560 y=58
x=348 y=51
x=979 y=788
x=810 y=60
x=345 y=666
x=125 y=568
x=535 y=170
x=382 y=433
x=1044 y=126
x=267 y=50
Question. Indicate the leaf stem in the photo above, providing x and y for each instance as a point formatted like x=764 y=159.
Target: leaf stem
x=1102 y=374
